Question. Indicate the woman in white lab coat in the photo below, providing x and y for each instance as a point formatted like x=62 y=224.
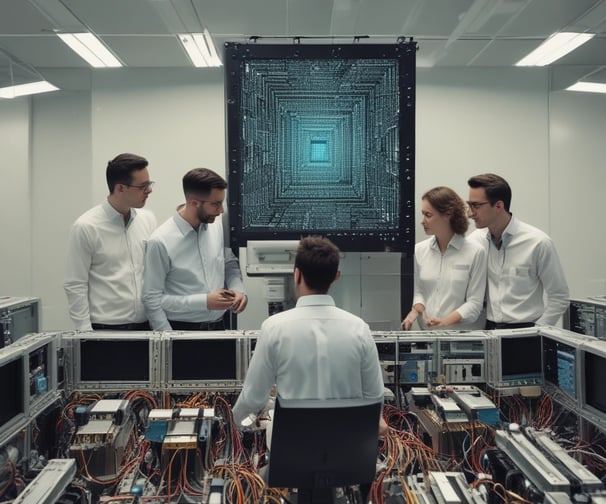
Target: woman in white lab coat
x=450 y=271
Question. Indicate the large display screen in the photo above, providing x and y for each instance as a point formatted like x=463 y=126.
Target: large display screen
x=321 y=141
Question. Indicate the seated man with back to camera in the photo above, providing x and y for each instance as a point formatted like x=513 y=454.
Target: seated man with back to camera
x=314 y=350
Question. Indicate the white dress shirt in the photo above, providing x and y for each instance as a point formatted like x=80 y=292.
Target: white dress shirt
x=455 y=280
x=521 y=273
x=182 y=265
x=313 y=351
x=104 y=270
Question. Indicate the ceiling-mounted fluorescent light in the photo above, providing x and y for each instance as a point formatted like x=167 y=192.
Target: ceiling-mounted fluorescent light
x=27 y=89
x=200 y=49
x=588 y=87
x=91 y=49
x=556 y=46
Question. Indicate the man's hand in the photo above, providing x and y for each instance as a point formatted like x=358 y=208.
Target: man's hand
x=240 y=300
x=225 y=299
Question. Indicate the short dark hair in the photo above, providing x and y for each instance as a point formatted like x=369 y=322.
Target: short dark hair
x=201 y=181
x=496 y=188
x=120 y=169
x=318 y=260
x=446 y=201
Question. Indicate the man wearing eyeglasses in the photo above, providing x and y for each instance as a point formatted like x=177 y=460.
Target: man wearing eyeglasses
x=526 y=282
x=190 y=278
x=106 y=246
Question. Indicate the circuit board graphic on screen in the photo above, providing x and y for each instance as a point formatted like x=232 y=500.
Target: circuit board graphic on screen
x=321 y=141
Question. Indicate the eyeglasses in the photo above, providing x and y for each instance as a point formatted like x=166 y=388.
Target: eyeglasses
x=474 y=205
x=143 y=187
x=215 y=204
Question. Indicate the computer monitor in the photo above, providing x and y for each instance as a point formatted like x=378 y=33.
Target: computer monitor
x=521 y=358
x=593 y=376
x=13 y=395
x=318 y=445
x=113 y=360
x=117 y=361
x=42 y=366
x=600 y=321
x=560 y=364
x=581 y=317
x=204 y=359
x=514 y=359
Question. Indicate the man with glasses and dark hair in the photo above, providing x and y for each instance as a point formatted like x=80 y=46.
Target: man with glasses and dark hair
x=106 y=246
x=526 y=282
x=190 y=278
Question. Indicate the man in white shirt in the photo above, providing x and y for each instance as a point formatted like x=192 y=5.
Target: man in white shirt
x=315 y=350
x=104 y=271
x=526 y=282
x=190 y=278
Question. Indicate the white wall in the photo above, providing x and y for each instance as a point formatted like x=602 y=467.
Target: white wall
x=55 y=148
x=173 y=118
x=15 y=199
x=577 y=181
x=61 y=188
x=472 y=121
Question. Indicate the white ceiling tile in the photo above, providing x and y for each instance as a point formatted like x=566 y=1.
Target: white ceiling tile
x=449 y=32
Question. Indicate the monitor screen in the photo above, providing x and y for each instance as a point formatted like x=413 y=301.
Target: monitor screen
x=204 y=359
x=581 y=318
x=40 y=371
x=521 y=357
x=595 y=378
x=600 y=321
x=114 y=360
x=12 y=401
x=559 y=365
x=386 y=350
x=321 y=141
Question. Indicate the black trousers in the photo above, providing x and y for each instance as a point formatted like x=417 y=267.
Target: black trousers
x=215 y=325
x=135 y=326
x=503 y=325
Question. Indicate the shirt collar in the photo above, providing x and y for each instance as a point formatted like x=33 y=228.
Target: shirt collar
x=510 y=230
x=114 y=215
x=456 y=242
x=185 y=227
x=315 y=300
